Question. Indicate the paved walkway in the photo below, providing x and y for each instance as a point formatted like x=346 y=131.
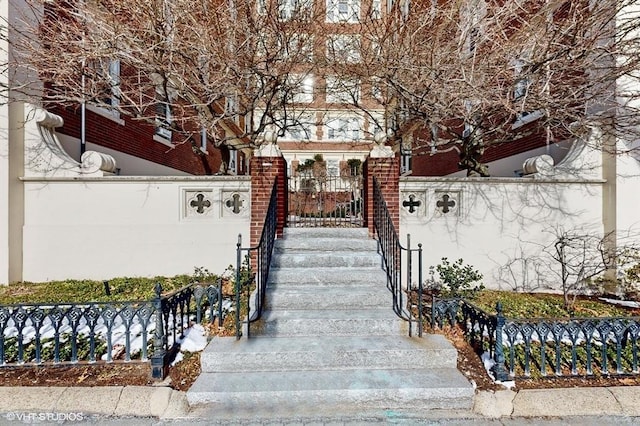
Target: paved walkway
x=162 y=405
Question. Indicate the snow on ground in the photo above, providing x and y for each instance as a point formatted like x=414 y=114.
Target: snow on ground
x=195 y=340
x=627 y=303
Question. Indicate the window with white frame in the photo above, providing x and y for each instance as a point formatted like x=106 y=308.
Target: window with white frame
x=341 y=90
x=343 y=127
x=297 y=47
x=261 y=7
x=343 y=11
x=405 y=157
x=300 y=88
x=333 y=167
x=203 y=139
x=163 y=119
x=521 y=82
x=376 y=9
x=300 y=127
x=294 y=9
x=247 y=123
x=231 y=105
x=520 y=88
x=471 y=17
x=375 y=122
x=106 y=78
x=344 y=48
x=232 y=168
x=377 y=91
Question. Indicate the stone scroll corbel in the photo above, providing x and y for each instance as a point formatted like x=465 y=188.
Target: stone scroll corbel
x=44 y=155
x=540 y=166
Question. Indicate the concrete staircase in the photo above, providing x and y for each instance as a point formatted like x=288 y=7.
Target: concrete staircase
x=328 y=344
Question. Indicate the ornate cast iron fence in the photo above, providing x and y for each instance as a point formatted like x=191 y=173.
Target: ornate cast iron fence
x=540 y=347
x=398 y=264
x=261 y=255
x=177 y=313
x=322 y=200
x=92 y=332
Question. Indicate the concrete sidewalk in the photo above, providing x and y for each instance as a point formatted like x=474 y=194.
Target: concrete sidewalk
x=46 y=405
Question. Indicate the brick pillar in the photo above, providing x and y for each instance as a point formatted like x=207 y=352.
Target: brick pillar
x=387 y=171
x=265 y=170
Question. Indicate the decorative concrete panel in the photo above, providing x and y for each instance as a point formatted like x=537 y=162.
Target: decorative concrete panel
x=413 y=204
x=197 y=203
x=447 y=203
x=235 y=203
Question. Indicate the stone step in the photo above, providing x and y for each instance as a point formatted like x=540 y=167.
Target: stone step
x=443 y=388
x=327 y=353
x=339 y=233
x=325 y=244
x=342 y=297
x=328 y=342
x=352 y=322
x=336 y=259
x=324 y=276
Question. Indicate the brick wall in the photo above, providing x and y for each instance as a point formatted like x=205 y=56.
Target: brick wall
x=441 y=164
x=386 y=170
x=136 y=139
x=264 y=172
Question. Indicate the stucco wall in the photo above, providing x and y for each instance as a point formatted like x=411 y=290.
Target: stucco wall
x=100 y=228
x=501 y=226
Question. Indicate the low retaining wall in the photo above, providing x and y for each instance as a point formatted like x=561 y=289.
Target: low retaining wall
x=104 y=227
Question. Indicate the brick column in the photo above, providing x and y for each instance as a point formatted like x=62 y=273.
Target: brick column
x=266 y=167
x=387 y=172
x=385 y=167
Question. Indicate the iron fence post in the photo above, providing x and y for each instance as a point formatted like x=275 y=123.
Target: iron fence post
x=159 y=352
x=237 y=286
x=420 y=326
x=433 y=311
x=219 y=302
x=498 y=368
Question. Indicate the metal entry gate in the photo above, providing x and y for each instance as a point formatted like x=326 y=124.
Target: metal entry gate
x=325 y=201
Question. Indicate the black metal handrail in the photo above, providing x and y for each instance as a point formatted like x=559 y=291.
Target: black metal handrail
x=263 y=252
x=407 y=299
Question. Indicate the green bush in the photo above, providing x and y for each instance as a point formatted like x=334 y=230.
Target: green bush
x=455 y=279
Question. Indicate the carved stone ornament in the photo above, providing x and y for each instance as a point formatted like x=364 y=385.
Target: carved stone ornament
x=235 y=203
x=45 y=156
x=198 y=204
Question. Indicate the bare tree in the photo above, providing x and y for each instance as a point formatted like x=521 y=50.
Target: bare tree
x=213 y=64
x=474 y=73
x=582 y=259
x=457 y=75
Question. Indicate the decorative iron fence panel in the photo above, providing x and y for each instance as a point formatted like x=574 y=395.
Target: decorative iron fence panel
x=325 y=201
x=73 y=333
x=541 y=347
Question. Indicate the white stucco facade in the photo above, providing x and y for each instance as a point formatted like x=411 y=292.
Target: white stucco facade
x=506 y=227
x=68 y=219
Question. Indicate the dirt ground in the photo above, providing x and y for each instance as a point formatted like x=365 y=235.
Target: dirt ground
x=183 y=374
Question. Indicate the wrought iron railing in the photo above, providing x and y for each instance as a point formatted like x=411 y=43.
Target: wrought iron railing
x=93 y=332
x=398 y=263
x=177 y=313
x=541 y=347
x=260 y=257
x=325 y=201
